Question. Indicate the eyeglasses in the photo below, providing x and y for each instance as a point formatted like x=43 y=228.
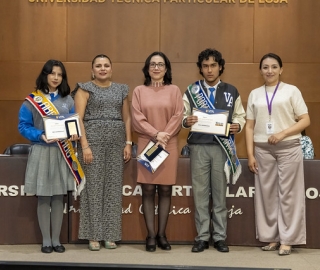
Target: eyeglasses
x=160 y=65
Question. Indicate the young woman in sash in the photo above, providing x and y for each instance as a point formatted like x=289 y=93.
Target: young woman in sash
x=157 y=111
x=103 y=109
x=275 y=156
x=47 y=174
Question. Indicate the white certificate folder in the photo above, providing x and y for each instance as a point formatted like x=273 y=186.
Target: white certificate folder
x=211 y=121
x=61 y=126
x=152 y=156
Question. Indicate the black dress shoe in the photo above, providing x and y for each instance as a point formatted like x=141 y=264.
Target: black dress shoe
x=200 y=246
x=149 y=247
x=59 y=249
x=163 y=242
x=221 y=246
x=46 y=249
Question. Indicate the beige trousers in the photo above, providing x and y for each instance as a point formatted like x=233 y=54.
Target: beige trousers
x=280 y=193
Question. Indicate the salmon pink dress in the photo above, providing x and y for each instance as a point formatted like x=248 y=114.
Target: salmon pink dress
x=157 y=109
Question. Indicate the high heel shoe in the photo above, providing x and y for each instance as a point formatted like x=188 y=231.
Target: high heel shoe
x=150 y=248
x=283 y=252
x=163 y=242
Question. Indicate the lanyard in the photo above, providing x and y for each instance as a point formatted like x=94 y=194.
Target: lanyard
x=270 y=103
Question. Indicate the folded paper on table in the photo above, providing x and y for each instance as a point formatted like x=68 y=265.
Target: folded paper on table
x=211 y=121
x=61 y=126
x=152 y=156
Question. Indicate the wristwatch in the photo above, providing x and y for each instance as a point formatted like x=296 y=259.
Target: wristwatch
x=184 y=123
x=129 y=142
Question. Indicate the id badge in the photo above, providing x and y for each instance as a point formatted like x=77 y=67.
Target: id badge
x=270 y=128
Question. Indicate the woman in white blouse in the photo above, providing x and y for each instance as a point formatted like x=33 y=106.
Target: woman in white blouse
x=275 y=156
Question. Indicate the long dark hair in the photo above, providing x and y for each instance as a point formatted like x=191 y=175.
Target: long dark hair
x=167 y=79
x=42 y=80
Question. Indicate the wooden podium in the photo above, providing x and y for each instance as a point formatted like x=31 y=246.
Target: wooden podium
x=19 y=224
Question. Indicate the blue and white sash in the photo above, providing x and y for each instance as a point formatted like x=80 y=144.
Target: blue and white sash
x=232 y=166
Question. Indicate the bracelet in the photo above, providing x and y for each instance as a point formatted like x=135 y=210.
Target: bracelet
x=85 y=147
x=129 y=142
x=156 y=135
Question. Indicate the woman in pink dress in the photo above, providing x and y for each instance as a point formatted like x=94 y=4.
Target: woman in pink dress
x=157 y=112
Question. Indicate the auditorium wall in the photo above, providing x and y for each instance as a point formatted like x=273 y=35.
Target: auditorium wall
x=74 y=31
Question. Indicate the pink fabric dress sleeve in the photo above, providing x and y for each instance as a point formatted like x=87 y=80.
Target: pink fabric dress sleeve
x=174 y=124
x=139 y=120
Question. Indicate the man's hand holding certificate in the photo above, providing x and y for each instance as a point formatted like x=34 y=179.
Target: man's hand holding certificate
x=211 y=121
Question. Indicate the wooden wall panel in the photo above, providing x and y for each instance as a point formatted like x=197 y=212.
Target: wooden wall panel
x=306 y=77
x=128 y=73
x=183 y=74
x=227 y=28
x=247 y=77
x=9 y=124
x=290 y=30
x=78 y=72
x=126 y=33
x=18 y=79
x=32 y=32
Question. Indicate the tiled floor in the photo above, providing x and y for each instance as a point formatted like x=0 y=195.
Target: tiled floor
x=180 y=255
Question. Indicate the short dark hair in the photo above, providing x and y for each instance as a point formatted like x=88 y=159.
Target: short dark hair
x=271 y=55
x=204 y=55
x=167 y=79
x=100 y=56
x=42 y=80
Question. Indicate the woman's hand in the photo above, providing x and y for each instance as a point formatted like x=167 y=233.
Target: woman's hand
x=44 y=138
x=252 y=164
x=127 y=153
x=163 y=138
x=87 y=155
x=274 y=139
x=74 y=137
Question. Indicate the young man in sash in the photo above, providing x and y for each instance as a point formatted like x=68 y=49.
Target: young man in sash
x=213 y=158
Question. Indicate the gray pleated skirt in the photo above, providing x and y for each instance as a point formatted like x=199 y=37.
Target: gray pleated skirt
x=47 y=172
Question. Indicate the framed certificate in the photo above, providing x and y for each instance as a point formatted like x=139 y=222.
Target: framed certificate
x=61 y=126
x=211 y=121
x=152 y=156
x=72 y=128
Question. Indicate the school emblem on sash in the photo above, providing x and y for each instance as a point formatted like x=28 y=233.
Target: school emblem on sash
x=45 y=107
x=232 y=166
